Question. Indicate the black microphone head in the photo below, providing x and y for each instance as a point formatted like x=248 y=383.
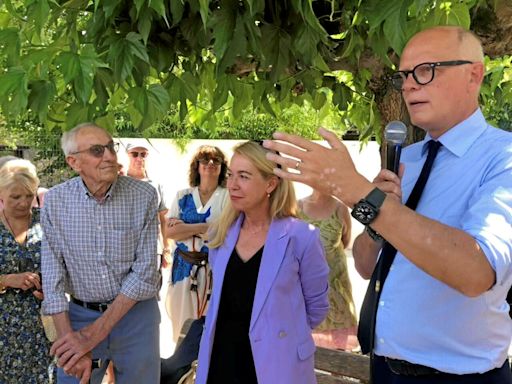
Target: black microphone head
x=395 y=132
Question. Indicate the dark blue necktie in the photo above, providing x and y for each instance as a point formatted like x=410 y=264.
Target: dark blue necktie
x=366 y=328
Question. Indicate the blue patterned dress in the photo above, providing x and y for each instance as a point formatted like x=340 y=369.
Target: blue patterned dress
x=24 y=349
x=185 y=300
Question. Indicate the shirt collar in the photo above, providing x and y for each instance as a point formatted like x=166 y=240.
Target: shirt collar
x=87 y=194
x=462 y=136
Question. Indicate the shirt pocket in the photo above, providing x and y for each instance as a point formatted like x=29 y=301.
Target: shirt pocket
x=122 y=244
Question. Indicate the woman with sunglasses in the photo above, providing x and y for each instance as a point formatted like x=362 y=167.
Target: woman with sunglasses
x=270 y=281
x=24 y=352
x=189 y=217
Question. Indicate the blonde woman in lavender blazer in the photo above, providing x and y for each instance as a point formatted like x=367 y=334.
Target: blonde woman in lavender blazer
x=270 y=282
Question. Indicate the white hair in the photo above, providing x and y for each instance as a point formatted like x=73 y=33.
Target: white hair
x=68 y=140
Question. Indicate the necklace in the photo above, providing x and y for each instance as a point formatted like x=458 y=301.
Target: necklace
x=12 y=231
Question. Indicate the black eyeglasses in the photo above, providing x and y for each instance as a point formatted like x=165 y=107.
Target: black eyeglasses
x=97 y=150
x=422 y=73
x=136 y=154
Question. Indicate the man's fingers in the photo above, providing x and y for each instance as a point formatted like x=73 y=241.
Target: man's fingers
x=292 y=139
x=59 y=349
x=64 y=359
x=330 y=137
x=385 y=175
x=285 y=162
x=285 y=148
x=401 y=170
x=56 y=345
x=71 y=362
x=288 y=175
x=86 y=376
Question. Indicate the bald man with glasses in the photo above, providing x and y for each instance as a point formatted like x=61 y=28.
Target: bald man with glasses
x=438 y=238
x=99 y=248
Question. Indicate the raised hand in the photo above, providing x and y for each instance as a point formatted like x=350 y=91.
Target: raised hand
x=329 y=170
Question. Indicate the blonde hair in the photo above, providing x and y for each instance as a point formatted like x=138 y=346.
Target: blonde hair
x=19 y=172
x=282 y=199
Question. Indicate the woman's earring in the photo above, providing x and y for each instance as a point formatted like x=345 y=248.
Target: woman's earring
x=268 y=195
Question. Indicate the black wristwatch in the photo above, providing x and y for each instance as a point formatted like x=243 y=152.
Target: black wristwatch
x=367 y=209
x=374 y=235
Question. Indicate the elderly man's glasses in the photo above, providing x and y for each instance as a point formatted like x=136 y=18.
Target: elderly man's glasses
x=422 y=73
x=97 y=150
x=136 y=154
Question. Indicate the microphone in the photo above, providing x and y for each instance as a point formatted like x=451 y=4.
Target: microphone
x=394 y=134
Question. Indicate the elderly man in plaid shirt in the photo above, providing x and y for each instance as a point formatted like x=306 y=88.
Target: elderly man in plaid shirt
x=99 y=247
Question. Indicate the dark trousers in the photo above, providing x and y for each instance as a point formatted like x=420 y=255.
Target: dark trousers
x=383 y=375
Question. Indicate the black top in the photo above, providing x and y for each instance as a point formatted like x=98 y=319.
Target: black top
x=231 y=359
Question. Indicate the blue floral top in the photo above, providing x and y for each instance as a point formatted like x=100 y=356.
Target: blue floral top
x=188 y=207
x=24 y=349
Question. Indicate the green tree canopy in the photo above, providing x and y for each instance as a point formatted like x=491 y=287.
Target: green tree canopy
x=202 y=65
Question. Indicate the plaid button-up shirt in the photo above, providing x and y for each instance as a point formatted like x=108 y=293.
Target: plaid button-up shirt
x=95 y=251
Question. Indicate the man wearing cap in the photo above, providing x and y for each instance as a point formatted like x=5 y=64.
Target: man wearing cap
x=137 y=155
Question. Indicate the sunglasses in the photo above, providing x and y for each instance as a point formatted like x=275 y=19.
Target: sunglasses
x=207 y=161
x=136 y=154
x=97 y=150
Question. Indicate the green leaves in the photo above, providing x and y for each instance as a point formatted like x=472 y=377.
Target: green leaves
x=79 y=69
x=41 y=95
x=123 y=53
x=14 y=91
x=212 y=63
x=38 y=11
x=10 y=41
x=148 y=104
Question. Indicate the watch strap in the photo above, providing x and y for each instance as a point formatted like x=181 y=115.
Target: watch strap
x=374 y=235
x=376 y=197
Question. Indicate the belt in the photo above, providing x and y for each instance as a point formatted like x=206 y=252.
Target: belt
x=98 y=307
x=402 y=367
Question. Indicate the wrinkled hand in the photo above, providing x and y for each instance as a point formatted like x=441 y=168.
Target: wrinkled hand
x=389 y=182
x=82 y=369
x=24 y=281
x=70 y=348
x=328 y=170
x=171 y=222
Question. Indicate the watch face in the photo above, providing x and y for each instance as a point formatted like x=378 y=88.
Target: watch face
x=364 y=212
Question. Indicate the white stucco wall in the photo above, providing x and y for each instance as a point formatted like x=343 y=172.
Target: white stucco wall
x=169 y=166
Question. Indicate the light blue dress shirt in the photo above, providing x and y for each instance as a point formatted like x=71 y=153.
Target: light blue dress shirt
x=422 y=320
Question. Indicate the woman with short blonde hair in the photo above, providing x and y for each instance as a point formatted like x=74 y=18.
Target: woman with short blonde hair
x=24 y=356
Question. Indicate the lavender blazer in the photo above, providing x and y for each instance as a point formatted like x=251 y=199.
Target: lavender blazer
x=290 y=300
